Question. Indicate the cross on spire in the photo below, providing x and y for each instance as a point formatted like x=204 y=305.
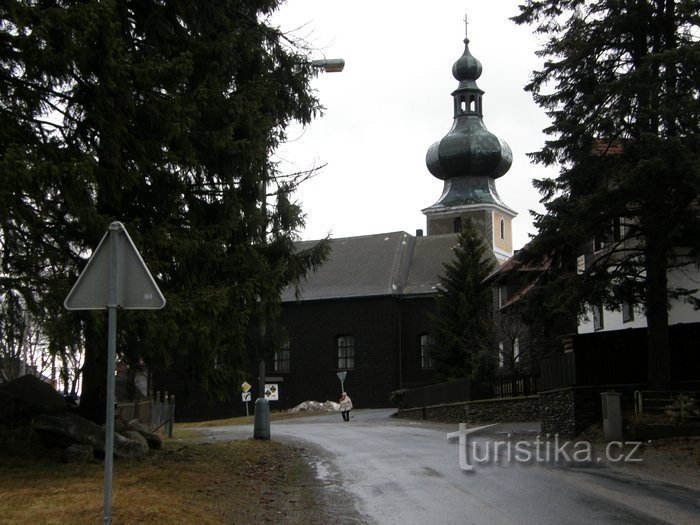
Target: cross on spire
x=466 y=26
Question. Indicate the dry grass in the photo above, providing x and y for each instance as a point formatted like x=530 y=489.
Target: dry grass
x=245 y=420
x=237 y=482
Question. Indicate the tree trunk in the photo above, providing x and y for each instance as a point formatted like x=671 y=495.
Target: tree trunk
x=658 y=341
x=93 y=397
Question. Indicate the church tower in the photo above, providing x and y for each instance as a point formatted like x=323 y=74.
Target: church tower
x=469 y=159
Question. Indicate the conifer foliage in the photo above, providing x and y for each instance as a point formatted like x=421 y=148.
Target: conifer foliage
x=463 y=345
x=162 y=115
x=620 y=84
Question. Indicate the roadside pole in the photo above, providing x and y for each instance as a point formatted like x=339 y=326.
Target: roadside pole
x=111 y=365
x=114 y=277
x=341 y=376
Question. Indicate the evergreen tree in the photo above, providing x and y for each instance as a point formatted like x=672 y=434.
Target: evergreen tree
x=162 y=115
x=463 y=345
x=620 y=83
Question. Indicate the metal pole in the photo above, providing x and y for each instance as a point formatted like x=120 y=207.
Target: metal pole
x=111 y=364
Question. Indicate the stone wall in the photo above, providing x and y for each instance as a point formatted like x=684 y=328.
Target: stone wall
x=565 y=411
x=519 y=409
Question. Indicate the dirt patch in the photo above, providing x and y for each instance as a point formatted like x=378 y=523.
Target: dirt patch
x=674 y=460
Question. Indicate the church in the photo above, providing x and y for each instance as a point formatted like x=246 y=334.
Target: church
x=365 y=315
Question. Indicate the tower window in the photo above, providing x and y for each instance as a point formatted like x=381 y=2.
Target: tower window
x=503 y=229
x=472 y=103
x=457 y=225
x=462 y=105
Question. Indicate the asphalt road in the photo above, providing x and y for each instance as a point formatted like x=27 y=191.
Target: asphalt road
x=402 y=472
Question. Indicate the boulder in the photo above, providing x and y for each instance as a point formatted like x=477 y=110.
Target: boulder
x=28 y=396
x=155 y=442
x=130 y=445
x=68 y=429
x=63 y=430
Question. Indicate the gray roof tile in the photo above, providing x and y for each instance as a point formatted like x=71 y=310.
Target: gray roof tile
x=375 y=265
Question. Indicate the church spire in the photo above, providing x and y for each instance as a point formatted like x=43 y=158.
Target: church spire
x=468 y=149
x=469 y=158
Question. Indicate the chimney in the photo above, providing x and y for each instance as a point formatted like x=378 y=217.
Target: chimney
x=419 y=233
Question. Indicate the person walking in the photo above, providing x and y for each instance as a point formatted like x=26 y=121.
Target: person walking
x=345 y=406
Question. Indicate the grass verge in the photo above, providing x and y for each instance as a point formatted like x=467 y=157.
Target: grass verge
x=237 y=482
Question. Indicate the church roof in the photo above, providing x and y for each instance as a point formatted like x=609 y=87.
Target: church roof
x=382 y=264
x=429 y=256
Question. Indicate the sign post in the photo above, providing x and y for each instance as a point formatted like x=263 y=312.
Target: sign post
x=114 y=277
x=246 y=394
x=341 y=376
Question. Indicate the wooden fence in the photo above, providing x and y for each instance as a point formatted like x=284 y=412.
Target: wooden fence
x=157 y=414
x=464 y=390
x=620 y=357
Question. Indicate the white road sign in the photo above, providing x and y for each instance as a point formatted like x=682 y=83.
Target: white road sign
x=135 y=287
x=272 y=392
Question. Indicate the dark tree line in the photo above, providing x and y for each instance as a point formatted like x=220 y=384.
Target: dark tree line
x=162 y=115
x=621 y=83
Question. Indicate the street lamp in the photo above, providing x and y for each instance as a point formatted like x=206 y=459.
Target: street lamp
x=329 y=65
x=261 y=423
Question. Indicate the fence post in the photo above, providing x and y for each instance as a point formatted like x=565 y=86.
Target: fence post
x=172 y=416
x=682 y=406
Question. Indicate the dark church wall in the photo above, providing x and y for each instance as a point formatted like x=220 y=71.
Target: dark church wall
x=415 y=321
x=313 y=328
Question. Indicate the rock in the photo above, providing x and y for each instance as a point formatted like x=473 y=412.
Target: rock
x=66 y=429
x=155 y=442
x=77 y=453
x=28 y=396
x=130 y=445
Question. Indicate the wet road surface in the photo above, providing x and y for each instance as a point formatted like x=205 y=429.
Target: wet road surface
x=403 y=472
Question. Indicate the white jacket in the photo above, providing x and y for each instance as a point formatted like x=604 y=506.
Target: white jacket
x=345 y=403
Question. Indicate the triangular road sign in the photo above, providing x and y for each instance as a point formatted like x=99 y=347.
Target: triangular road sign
x=135 y=287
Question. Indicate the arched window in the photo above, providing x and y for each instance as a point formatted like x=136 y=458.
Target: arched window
x=457 y=225
x=503 y=229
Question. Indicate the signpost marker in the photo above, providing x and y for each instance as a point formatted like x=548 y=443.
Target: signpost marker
x=246 y=394
x=341 y=376
x=114 y=277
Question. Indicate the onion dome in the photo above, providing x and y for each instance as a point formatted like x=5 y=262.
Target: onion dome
x=468 y=149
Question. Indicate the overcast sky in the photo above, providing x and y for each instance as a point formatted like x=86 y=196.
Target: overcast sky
x=393 y=101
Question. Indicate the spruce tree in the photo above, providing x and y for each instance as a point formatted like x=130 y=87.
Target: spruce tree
x=620 y=83
x=162 y=115
x=463 y=345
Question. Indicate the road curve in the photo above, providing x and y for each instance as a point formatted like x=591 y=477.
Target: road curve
x=403 y=472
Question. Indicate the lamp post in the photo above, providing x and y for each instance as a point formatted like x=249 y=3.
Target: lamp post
x=261 y=423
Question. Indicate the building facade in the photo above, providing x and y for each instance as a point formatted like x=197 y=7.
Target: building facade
x=366 y=314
